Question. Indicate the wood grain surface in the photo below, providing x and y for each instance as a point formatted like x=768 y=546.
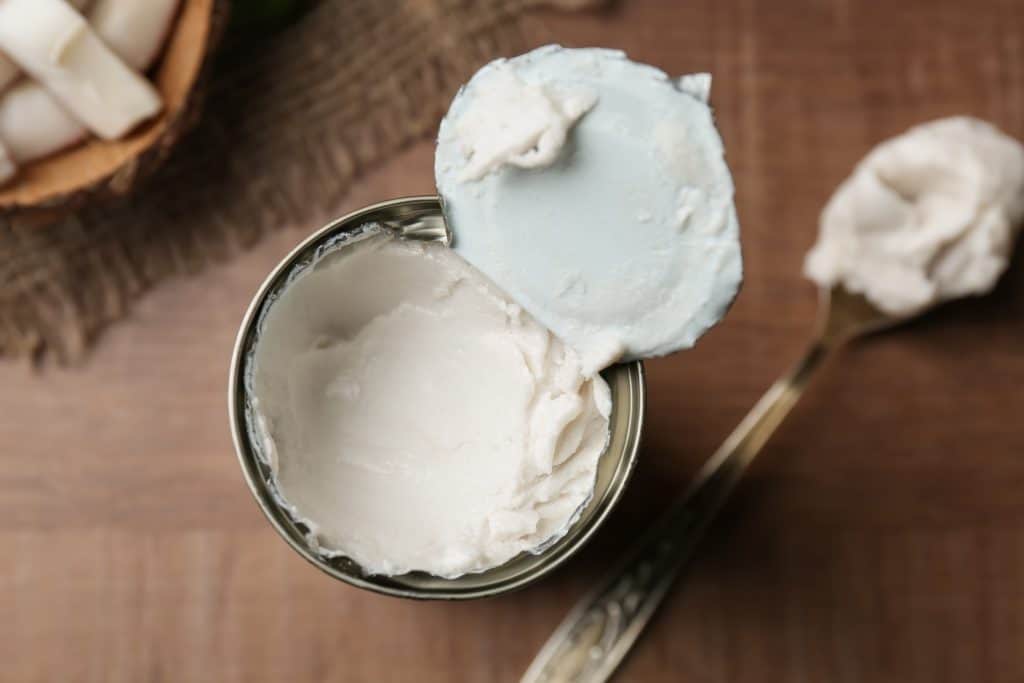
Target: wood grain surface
x=880 y=537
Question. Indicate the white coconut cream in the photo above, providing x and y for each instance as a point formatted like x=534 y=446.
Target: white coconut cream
x=928 y=216
x=416 y=418
x=594 y=190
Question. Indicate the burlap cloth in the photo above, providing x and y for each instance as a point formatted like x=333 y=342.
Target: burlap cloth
x=285 y=130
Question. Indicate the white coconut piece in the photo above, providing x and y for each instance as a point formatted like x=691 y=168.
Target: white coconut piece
x=34 y=124
x=9 y=71
x=56 y=46
x=134 y=29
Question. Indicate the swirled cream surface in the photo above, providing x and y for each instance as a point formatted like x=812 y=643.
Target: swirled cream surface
x=928 y=216
x=415 y=418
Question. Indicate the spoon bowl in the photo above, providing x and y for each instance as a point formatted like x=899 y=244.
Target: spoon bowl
x=844 y=315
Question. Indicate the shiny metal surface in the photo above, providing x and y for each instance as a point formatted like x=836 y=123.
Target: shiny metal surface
x=421 y=218
x=597 y=634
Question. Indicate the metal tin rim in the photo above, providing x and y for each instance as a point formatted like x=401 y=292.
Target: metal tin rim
x=449 y=589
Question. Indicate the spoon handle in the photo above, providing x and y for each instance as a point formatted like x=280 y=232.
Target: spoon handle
x=600 y=630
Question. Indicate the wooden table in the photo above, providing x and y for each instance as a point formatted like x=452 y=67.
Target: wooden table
x=879 y=538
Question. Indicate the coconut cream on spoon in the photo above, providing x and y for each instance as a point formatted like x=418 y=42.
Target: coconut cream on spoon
x=927 y=216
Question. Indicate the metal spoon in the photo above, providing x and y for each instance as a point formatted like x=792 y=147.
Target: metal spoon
x=600 y=630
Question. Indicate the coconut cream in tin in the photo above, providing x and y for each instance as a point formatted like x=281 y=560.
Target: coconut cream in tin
x=416 y=418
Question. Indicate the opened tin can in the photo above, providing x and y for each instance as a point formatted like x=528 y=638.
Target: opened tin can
x=419 y=218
